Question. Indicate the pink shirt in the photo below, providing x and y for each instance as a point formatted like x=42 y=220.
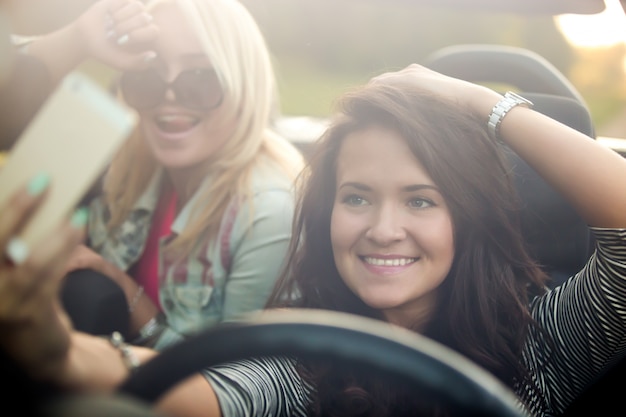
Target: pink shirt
x=146 y=270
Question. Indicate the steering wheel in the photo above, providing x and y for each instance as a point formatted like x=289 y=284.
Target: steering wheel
x=344 y=337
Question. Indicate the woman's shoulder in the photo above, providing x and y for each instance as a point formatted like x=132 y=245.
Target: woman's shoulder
x=270 y=203
x=609 y=236
x=266 y=178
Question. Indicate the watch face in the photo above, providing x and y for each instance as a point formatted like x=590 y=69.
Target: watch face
x=517 y=99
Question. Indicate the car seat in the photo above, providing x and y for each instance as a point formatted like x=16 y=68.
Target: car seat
x=556 y=235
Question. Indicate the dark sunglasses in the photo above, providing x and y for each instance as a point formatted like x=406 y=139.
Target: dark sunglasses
x=198 y=89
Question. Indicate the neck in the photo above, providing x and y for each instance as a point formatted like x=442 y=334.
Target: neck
x=416 y=316
x=186 y=181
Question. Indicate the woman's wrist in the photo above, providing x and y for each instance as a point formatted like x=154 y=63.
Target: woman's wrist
x=482 y=102
x=132 y=304
x=501 y=110
x=141 y=308
x=136 y=298
x=150 y=331
x=60 y=60
x=130 y=360
x=93 y=364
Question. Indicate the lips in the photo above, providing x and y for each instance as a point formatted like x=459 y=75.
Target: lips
x=175 y=123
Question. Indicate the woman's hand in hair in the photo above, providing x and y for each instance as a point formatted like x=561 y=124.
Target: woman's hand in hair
x=478 y=99
x=118 y=33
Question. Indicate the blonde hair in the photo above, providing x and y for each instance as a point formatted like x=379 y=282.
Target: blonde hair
x=240 y=57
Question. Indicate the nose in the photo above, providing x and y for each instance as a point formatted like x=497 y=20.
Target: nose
x=386 y=226
x=170 y=95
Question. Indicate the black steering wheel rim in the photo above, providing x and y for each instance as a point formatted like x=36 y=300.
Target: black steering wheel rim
x=342 y=336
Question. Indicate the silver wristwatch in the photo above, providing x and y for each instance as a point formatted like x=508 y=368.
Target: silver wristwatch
x=500 y=110
x=150 y=331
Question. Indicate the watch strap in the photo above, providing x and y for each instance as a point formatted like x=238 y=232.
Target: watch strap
x=500 y=110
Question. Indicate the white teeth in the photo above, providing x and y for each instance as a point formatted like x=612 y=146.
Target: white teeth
x=168 y=118
x=389 y=262
x=171 y=118
x=175 y=123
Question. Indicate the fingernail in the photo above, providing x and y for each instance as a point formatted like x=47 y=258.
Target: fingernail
x=17 y=251
x=80 y=217
x=122 y=39
x=149 y=56
x=38 y=184
x=110 y=34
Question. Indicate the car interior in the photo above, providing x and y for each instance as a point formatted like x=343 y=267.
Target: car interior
x=554 y=232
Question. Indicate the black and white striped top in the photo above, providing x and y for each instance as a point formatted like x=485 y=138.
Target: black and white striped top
x=586 y=317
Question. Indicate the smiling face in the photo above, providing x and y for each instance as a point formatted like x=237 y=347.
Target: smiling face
x=391 y=230
x=180 y=137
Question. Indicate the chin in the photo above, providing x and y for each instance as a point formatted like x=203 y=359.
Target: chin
x=379 y=303
x=175 y=160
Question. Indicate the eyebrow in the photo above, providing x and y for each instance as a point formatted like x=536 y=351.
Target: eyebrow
x=407 y=189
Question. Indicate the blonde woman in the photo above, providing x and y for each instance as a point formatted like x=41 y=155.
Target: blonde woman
x=195 y=217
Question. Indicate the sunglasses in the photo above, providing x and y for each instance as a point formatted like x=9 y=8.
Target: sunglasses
x=198 y=89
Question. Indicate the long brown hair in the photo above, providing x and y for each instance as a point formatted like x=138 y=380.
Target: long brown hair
x=483 y=302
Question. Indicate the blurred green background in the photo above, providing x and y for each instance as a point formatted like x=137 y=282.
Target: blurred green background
x=323 y=47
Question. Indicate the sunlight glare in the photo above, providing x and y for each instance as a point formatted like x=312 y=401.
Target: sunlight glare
x=604 y=29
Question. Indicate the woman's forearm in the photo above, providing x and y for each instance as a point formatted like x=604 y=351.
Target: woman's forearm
x=141 y=307
x=60 y=51
x=98 y=33
x=589 y=174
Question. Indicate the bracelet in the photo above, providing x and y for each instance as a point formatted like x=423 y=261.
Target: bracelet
x=135 y=300
x=150 y=331
x=131 y=361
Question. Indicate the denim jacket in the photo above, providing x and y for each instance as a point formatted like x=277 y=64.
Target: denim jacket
x=222 y=277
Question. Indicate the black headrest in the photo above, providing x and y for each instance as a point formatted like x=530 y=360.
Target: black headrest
x=519 y=67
